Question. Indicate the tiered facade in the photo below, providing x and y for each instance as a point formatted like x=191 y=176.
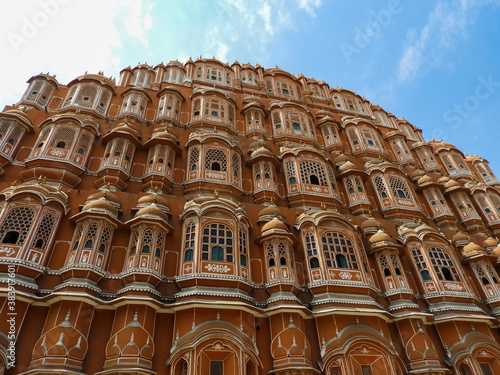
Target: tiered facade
x=206 y=218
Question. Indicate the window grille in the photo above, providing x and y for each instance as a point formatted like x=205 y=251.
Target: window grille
x=18 y=221
x=213 y=156
x=290 y=169
x=217 y=243
x=243 y=247
x=441 y=262
x=236 y=165
x=105 y=239
x=311 y=248
x=398 y=188
x=78 y=236
x=380 y=186
x=312 y=172
x=45 y=229
x=64 y=137
x=283 y=254
x=338 y=250
x=270 y=255
x=194 y=158
x=494 y=199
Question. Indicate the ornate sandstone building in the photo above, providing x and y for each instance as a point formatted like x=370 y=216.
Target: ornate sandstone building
x=215 y=219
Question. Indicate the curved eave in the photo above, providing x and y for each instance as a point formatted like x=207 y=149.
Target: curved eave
x=19 y=119
x=155 y=220
x=119 y=134
x=173 y=90
x=270 y=158
x=164 y=141
x=138 y=90
x=96 y=214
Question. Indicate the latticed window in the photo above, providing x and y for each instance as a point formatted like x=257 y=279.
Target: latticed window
x=271 y=256
x=331 y=135
x=77 y=237
x=486 y=274
x=217 y=243
x=398 y=188
x=443 y=265
x=350 y=103
x=436 y=200
x=426 y=158
x=105 y=239
x=494 y=199
x=236 y=165
x=284 y=88
x=194 y=158
x=486 y=173
x=45 y=228
x=134 y=239
x=119 y=153
x=142 y=78
x=215 y=160
x=169 y=106
x=213 y=74
x=384 y=265
x=276 y=117
x=147 y=241
x=421 y=264
x=10 y=135
x=84 y=143
x=254 y=120
x=380 y=186
x=401 y=149
x=290 y=171
x=331 y=176
x=312 y=250
x=464 y=205
x=173 y=75
x=312 y=173
x=396 y=264
x=87 y=95
x=90 y=236
x=339 y=251
x=243 y=245
x=370 y=138
x=460 y=162
x=283 y=255
x=269 y=86
x=484 y=203
x=159 y=245
x=189 y=242
x=16 y=226
x=63 y=138
x=214 y=107
x=248 y=77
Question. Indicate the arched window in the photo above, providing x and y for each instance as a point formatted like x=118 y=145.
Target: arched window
x=442 y=264
x=16 y=226
x=339 y=251
x=189 y=242
x=215 y=158
x=313 y=173
x=217 y=243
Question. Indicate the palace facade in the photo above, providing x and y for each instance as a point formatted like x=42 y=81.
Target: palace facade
x=206 y=218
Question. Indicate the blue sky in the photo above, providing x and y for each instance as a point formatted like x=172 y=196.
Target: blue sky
x=435 y=63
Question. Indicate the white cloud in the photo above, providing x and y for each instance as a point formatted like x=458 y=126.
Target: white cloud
x=447 y=24
x=67 y=38
x=309 y=5
x=265 y=13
